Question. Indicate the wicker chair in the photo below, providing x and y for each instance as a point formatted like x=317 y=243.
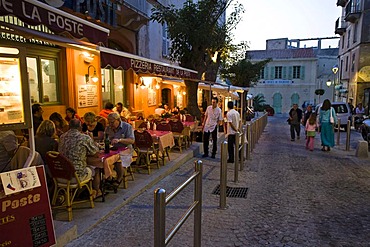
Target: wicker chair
x=146 y=150
x=177 y=127
x=66 y=181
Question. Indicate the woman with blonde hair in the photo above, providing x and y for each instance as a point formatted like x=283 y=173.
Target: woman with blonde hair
x=92 y=126
x=45 y=138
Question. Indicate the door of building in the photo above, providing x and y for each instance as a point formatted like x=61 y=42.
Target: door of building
x=295 y=99
x=277 y=102
x=166 y=96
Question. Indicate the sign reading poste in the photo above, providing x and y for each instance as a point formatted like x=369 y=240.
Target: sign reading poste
x=25 y=217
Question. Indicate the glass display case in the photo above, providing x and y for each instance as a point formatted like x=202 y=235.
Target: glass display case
x=14 y=90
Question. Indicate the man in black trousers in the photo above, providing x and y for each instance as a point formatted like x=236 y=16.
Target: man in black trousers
x=213 y=118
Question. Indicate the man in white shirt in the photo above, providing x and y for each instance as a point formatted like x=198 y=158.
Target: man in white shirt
x=212 y=119
x=122 y=111
x=233 y=121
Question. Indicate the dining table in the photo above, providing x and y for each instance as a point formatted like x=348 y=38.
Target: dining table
x=191 y=125
x=104 y=162
x=164 y=139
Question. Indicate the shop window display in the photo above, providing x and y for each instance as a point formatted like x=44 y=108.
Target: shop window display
x=11 y=106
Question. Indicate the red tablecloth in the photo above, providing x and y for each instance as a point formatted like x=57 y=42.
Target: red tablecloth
x=106 y=160
x=163 y=138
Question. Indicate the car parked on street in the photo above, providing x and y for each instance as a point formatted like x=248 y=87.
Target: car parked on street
x=342 y=110
x=307 y=103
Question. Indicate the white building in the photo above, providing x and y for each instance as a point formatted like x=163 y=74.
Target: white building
x=294 y=74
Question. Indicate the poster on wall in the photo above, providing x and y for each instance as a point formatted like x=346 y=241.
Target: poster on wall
x=87 y=95
x=152 y=97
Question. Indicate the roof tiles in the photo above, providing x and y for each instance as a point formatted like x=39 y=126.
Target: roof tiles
x=282 y=54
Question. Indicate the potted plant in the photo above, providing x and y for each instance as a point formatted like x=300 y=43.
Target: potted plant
x=319 y=91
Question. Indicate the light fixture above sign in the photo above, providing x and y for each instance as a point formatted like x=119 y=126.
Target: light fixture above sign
x=94 y=77
x=88 y=57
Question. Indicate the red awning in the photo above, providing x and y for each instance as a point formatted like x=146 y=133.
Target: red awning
x=126 y=61
x=37 y=13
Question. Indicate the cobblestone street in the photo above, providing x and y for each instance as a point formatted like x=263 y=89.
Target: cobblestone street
x=295 y=198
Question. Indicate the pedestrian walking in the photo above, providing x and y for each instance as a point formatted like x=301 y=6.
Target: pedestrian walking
x=327 y=120
x=233 y=121
x=295 y=116
x=311 y=126
x=306 y=115
x=212 y=119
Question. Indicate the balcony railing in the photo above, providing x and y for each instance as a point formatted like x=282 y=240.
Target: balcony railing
x=139 y=5
x=342 y=3
x=133 y=14
x=353 y=11
x=340 y=26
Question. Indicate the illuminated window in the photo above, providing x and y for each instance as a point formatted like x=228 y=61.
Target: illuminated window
x=43 y=79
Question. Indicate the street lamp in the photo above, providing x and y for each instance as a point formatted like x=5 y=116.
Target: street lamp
x=334 y=70
x=329 y=82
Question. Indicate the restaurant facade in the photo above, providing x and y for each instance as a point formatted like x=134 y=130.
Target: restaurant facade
x=81 y=54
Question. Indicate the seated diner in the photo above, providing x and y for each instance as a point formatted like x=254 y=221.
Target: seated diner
x=61 y=125
x=76 y=146
x=120 y=134
x=92 y=126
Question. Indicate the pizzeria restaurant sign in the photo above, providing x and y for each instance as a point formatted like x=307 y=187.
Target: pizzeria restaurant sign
x=36 y=13
x=128 y=61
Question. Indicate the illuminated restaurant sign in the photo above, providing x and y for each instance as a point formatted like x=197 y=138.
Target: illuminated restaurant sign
x=128 y=61
x=37 y=13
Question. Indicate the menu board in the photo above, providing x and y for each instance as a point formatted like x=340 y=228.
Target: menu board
x=11 y=105
x=87 y=95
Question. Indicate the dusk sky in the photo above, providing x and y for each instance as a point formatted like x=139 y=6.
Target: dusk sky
x=292 y=19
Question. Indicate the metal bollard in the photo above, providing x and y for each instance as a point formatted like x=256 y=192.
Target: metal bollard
x=241 y=166
x=249 y=141
x=348 y=135
x=198 y=209
x=253 y=135
x=223 y=175
x=338 y=136
x=160 y=217
x=257 y=130
x=236 y=157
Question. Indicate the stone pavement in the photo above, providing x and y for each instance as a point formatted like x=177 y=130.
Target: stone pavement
x=295 y=198
x=85 y=218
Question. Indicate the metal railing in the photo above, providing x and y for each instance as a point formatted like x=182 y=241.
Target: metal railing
x=254 y=131
x=161 y=200
x=239 y=149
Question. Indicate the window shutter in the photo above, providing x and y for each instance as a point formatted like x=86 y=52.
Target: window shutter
x=290 y=72
x=272 y=73
x=284 y=72
x=302 y=72
x=265 y=73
